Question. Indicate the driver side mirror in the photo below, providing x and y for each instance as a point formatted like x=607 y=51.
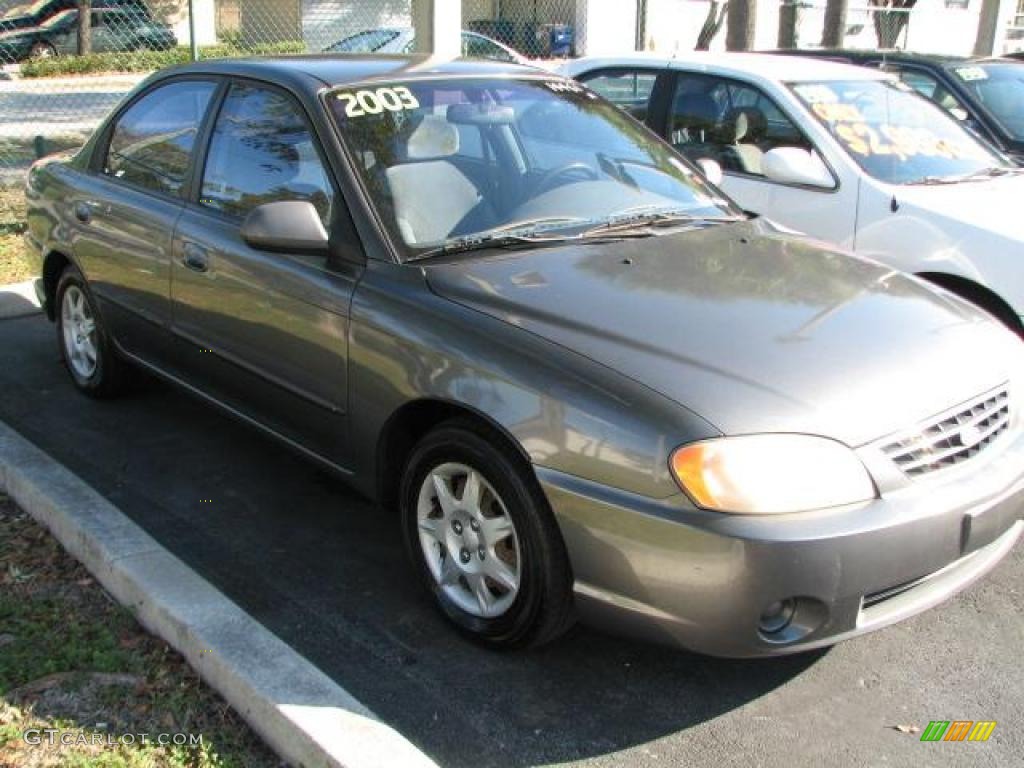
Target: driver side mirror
x=712 y=170
x=286 y=226
x=792 y=165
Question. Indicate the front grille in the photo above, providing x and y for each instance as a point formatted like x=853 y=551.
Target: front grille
x=953 y=437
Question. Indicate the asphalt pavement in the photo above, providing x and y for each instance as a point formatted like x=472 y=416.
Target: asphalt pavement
x=324 y=570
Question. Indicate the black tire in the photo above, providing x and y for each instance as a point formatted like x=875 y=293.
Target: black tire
x=542 y=608
x=110 y=376
x=42 y=50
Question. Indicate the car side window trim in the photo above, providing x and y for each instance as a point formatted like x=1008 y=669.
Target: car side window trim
x=656 y=103
x=201 y=156
x=101 y=149
x=786 y=113
x=346 y=243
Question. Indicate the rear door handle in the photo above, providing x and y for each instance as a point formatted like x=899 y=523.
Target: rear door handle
x=195 y=257
x=83 y=212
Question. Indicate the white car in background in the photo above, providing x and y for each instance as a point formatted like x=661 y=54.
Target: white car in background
x=401 y=40
x=841 y=153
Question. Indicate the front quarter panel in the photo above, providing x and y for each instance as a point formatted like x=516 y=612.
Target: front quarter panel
x=565 y=412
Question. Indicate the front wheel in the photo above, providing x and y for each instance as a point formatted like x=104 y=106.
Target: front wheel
x=84 y=343
x=483 y=539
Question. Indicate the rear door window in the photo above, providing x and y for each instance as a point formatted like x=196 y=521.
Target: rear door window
x=629 y=89
x=152 y=141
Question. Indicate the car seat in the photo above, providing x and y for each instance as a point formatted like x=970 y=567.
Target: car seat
x=432 y=199
x=746 y=129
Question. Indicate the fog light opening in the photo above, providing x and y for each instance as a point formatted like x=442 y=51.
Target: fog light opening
x=777 y=616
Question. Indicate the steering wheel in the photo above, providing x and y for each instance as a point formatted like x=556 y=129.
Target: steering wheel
x=547 y=180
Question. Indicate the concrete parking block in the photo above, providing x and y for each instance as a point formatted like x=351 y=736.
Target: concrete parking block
x=304 y=715
x=17 y=299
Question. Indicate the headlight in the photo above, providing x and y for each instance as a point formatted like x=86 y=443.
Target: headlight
x=771 y=474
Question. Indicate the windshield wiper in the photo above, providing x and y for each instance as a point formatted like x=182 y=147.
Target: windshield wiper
x=478 y=242
x=643 y=216
x=522 y=232
x=989 y=172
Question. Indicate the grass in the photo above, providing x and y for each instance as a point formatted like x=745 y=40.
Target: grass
x=15 y=265
x=72 y=659
x=147 y=61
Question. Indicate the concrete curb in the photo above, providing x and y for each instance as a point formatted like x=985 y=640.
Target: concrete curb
x=18 y=299
x=302 y=714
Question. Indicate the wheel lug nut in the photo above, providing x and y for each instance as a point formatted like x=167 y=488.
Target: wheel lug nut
x=457 y=527
x=475 y=525
x=464 y=555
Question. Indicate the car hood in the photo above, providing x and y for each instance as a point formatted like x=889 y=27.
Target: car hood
x=753 y=330
x=989 y=205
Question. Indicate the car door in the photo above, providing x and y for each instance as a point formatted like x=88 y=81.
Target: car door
x=265 y=333
x=61 y=31
x=736 y=123
x=125 y=209
x=105 y=31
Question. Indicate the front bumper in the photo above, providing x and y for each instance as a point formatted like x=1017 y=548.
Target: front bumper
x=665 y=571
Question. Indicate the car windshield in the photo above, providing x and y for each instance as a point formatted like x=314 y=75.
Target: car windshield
x=446 y=160
x=365 y=42
x=894 y=134
x=23 y=9
x=1000 y=87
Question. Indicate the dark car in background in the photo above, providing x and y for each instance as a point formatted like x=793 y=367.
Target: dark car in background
x=28 y=15
x=987 y=95
x=113 y=29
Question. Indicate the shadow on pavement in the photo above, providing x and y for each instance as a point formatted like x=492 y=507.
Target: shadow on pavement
x=325 y=571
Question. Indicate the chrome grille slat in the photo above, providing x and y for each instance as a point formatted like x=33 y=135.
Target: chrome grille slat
x=1001 y=421
x=952 y=437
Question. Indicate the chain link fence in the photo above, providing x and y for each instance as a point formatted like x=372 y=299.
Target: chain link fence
x=536 y=29
x=59 y=77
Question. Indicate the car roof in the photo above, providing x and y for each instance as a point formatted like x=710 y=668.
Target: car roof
x=891 y=54
x=314 y=71
x=765 y=66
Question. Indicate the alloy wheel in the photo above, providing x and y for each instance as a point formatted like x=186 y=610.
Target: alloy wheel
x=469 y=540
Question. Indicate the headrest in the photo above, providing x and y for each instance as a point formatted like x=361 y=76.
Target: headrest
x=433 y=138
x=748 y=124
x=480 y=114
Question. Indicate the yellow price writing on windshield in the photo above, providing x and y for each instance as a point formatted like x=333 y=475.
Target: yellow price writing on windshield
x=836 y=112
x=900 y=141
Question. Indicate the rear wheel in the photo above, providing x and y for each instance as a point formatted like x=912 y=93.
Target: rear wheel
x=42 y=50
x=484 y=541
x=84 y=342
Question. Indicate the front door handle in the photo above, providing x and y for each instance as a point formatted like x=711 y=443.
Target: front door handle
x=83 y=212
x=195 y=257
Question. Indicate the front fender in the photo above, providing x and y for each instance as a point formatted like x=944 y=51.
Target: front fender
x=565 y=412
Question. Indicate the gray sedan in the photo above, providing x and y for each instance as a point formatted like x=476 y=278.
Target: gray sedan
x=589 y=384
